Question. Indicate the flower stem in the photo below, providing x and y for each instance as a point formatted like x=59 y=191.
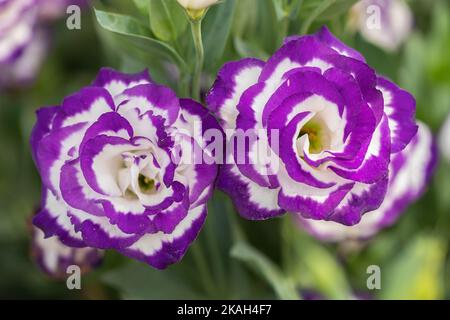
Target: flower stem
x=196 y=28
x=203 y=269
x=316 y=13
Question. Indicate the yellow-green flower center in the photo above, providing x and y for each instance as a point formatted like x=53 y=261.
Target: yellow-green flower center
x=146 y=184
x=315 y=134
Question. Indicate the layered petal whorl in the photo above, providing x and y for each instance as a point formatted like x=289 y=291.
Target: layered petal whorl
x=321 y=128
x=110 y=178
x=410 y=173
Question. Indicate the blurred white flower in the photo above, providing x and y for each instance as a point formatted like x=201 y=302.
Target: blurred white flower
x=384 y=23
x=197 y=4
x=23 y=70
x=444 y=139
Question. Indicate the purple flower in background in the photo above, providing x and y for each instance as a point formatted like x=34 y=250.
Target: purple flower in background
x=53 y=257
x=26 y=65
x=338 y=125
x=385 y=23
x=109 y=178
x=54 y=9
x=24 y=40
x=17 y=27
x=410 y=172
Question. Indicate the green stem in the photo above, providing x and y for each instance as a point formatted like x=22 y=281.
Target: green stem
x=316 y=13
x=284 y=29
x=204 y=272
x=214 y=248
x=196 y=28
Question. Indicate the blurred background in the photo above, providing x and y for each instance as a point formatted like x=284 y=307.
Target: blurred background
x=413 y=254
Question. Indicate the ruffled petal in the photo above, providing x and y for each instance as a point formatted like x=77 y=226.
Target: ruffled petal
x=54 y=257
x=232 y=80
x=252 y=201
x=116 y=82
x=53 y=219
x=55 y=149
x=162 y=249
x=400 y=107
x=43 y=126
x=87 y=105
x=158 y=100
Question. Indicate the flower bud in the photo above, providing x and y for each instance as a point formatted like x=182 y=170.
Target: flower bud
x=197 y=4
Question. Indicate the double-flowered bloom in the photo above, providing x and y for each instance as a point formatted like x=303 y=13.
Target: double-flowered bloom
x=337 y=126
x=109 y=159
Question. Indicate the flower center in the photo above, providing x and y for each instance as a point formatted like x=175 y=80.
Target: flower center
x=315 y=134
x=146 y=184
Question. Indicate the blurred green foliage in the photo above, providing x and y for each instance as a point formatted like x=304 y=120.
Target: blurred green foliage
x=232 y=258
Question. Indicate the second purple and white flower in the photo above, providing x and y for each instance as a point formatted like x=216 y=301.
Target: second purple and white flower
x=337 y=123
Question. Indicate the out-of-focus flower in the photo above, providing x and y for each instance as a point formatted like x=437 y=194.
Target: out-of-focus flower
x=53 y=257
x=109 y=178
x=385 y=23
x=24 y=40
x=338 y=125
x=54 y=9
x=410 y=172
x=444 y=139
x=23 y=70
x=197 y=4
x=17 y=26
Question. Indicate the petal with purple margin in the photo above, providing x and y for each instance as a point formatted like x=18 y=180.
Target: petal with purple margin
x=160 y=250
x=400 y=107
x=252 y=201
x=53 y=219
x=116 y=82
x=87 y=105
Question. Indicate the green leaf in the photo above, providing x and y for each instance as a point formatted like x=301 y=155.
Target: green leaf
x=255 y=22
x=266 y=268
x=216 y=29
x=311 y=265
x=322 y=10
x=140 y=281
x=142 y=6
x=167 y=19
x=279 y=9
x=138 y=35
x=417 y=272
x=246 y=49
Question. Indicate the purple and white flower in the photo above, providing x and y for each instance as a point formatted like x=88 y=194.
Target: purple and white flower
x=17 y=26
x=24 y=38
x=105 y=156
x=410 y=172
x=338 y=122
x=53 y=257
x=54 y=9
x=23 y=70
x=384 y=23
